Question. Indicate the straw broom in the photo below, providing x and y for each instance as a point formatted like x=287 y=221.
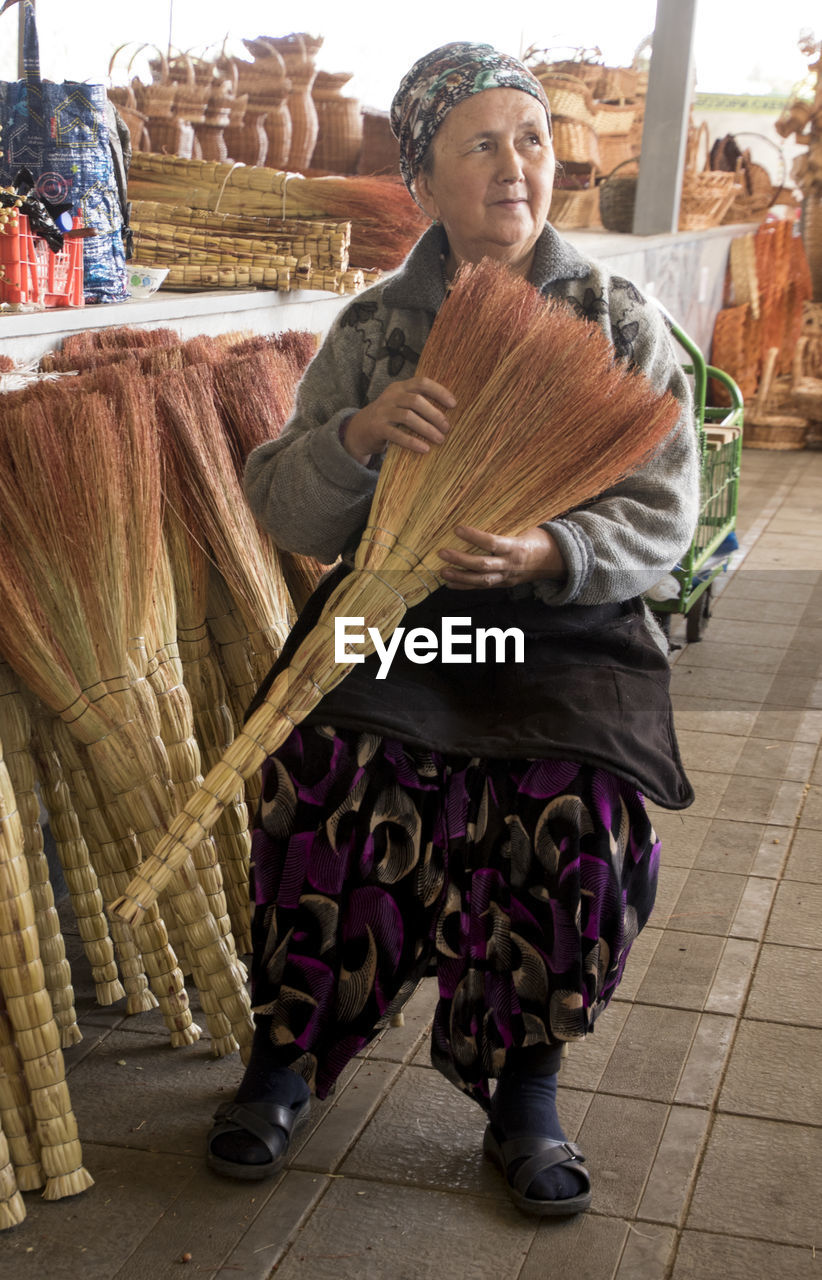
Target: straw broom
x=213 y=721
x=108 y=853
x=178 y=729
x=75 y=861
x=12 y=1208
x=17 y=1118
x=195 y=445
x=164 y=676
x=29 y=1011
x=81 y=500
x=15 y=733
x=255 y=391
x=555 y=424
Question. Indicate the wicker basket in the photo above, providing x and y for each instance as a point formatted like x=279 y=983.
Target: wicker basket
x=380 y=150
x=298 y=52
x=706 y=198
x=767 y=428
x=615 y=84
x=339 y=139
x=576 y=206
x=617 y=149
x=617 y=198
x=582 y=67
x=777 y=431
x=569 y=97
x=614 y=118
x=173 y=136
x=248 y=143
x=576 y=143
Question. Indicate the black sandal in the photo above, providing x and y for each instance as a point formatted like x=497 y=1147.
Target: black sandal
x=268 y=1122
x=536 y=1156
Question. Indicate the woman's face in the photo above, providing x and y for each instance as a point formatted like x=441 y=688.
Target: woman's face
x=492 y=177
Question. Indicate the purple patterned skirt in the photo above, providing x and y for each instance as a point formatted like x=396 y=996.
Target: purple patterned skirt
x=524 y=882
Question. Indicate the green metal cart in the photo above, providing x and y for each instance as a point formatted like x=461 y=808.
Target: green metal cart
x=714 y=541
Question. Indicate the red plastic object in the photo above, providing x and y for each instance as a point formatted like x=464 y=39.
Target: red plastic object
x=32 y=272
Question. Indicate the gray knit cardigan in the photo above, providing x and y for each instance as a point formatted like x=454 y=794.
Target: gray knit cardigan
x=313 y=497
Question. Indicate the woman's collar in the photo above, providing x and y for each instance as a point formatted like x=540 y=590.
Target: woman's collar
x=419 y=284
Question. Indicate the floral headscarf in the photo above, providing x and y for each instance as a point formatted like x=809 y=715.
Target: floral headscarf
x=440 y=80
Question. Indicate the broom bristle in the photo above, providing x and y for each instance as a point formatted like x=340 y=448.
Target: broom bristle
x=83 y=346
x=194 y=443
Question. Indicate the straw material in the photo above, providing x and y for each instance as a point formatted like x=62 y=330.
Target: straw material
x=214 y=724
x=75 y=862
x=326 y=243
x=744 y=275
x=17 y=1118
x=12 y=1208
x=576 y=206
x=15 y=734
x=78 y=540
x=30 y=1015
x=569 y=96
x=385 y=220
x=575 y=142
x=177 y=725
x=706 y=198
x=108 y=854
x=552 y=422
x=195 y=444
x=77 y=348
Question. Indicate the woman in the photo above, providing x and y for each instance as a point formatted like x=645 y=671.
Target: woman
x=487 y=821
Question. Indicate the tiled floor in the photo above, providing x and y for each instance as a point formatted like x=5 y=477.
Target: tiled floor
x=698 y=1101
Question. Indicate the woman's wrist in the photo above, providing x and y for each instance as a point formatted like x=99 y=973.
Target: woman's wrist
x=348 y=444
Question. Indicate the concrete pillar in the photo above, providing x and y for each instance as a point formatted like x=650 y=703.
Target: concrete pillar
x=665 y=132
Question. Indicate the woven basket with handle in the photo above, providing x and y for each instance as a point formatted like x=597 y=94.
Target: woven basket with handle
x=576 y=206
x=617 y=197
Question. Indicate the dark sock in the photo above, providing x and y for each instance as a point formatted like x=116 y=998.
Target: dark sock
x=525 y=1103
x=263 y=1081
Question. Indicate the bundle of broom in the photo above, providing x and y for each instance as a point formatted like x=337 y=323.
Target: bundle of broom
x=385 y=221
x=255 y=391
x=545 y=420
x=77 y=346
x=80 y=492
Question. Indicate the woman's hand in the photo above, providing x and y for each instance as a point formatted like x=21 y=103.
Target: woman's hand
x=412 y=405
x=501 y=562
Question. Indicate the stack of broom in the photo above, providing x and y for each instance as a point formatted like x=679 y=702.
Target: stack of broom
x=278 y=222
x=142 y=605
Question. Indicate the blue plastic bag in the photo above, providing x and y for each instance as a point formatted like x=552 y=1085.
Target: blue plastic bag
x=60 y=133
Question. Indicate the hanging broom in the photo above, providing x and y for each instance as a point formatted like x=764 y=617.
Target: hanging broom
x=555 y=424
